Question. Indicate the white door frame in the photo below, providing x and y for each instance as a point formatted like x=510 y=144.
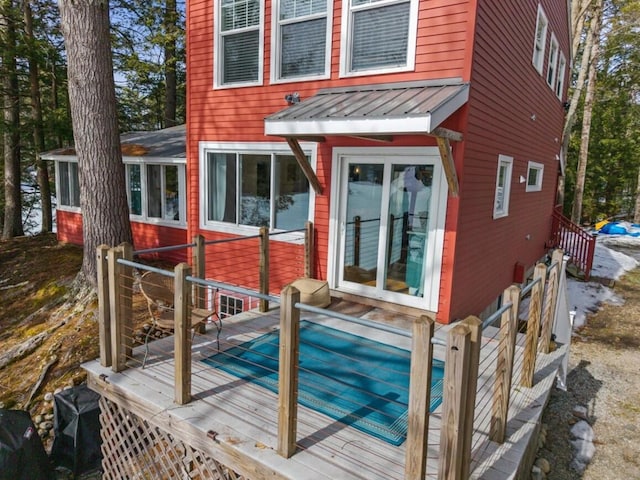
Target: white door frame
x=437 y=215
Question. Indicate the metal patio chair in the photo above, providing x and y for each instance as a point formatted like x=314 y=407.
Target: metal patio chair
x=158 y=290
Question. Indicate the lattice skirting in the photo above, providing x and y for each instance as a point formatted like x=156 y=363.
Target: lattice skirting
x=133 y=449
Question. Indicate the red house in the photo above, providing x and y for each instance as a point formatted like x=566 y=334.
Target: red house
x=421 y=138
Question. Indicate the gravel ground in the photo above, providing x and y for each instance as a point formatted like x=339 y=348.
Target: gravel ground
x=604 y=377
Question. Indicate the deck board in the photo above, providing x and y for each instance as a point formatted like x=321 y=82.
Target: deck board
x=244 y=415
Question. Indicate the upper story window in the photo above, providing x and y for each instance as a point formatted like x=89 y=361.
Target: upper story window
x=301 y=44
x=68 y=185
x=255 y=187
x=534 y=177
x=503 y=187
x=540 y=41
x=238 y=26
x=552 y=67
x=380 y=36
x=156 y=192
x=562 y=68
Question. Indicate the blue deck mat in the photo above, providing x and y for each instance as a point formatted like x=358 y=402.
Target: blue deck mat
x=357 y=381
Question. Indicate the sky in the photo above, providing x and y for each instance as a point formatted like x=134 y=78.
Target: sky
x=585 y=297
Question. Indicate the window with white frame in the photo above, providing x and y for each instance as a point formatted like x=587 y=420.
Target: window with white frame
x=503 y=187
x=540 y=41
x=230 y=306
x=562 y=68
x=255 y=188
x=552 y=67
x=68 y=185
x=302 y=42
x=239 y=42
x=534 y=177
x=380 y=36
x=156 y=191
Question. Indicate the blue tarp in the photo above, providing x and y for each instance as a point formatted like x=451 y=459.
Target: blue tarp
x=621 y=228
x=357 y=381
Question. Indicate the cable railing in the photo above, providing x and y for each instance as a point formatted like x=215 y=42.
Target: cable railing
x=475 y=387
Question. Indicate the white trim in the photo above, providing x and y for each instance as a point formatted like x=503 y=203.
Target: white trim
x=144 y=206
x=346 y=35
x=560 y=74
x=506 y=189
x=218 y=54
x=538 y=185
x=278 y=148
x=552 y=62
x=538 y=63
x=438 y=209
x=60 y=206
x=276 y=50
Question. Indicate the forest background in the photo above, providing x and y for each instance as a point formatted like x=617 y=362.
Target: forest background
x=600 y=177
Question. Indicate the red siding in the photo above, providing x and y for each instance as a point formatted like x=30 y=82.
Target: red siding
x=145 y=236
x=479 y=252
x=506 y=92
x=69 y=227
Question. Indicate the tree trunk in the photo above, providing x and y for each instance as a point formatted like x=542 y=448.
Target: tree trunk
x=11 y=135
x=576 y=211
x=582 y=73
x=636 y=211
x=103 y=198
x=36 y=117
x=170 y=98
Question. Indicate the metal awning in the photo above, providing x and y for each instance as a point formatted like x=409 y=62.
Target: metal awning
x=375 y=112
x=384 y=109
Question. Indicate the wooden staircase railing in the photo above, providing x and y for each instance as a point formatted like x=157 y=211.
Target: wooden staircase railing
x=578 y=244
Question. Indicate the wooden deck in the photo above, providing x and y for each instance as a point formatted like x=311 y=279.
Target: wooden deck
x=235 y=421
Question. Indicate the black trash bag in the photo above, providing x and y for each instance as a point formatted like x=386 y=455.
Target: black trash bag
x=76 y=426
x=22 y=455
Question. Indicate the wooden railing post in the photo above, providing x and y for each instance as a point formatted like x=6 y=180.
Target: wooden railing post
x=264 y=267
x=104 y=322
x=550 y=301
x=308 y=250
x=504 y=369
x=288 y=371
x=198 y=262
x=419 y=398
x=115 y=312
x=182 y=334
x=475 y=327
x=533 y=326
x=126 y=299
x=456 y=376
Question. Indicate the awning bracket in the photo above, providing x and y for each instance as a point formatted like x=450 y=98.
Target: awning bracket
x=304 y=165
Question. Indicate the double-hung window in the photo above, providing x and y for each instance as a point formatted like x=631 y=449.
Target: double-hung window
x=302 y=39
x=156 y=192
x=534 y=177
x=239 y=43
x=503 y=187
x=380 y=36
x=540 y=41
x=68 y=185
x=552 y=67
x=254 y=188
x=562 y=68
